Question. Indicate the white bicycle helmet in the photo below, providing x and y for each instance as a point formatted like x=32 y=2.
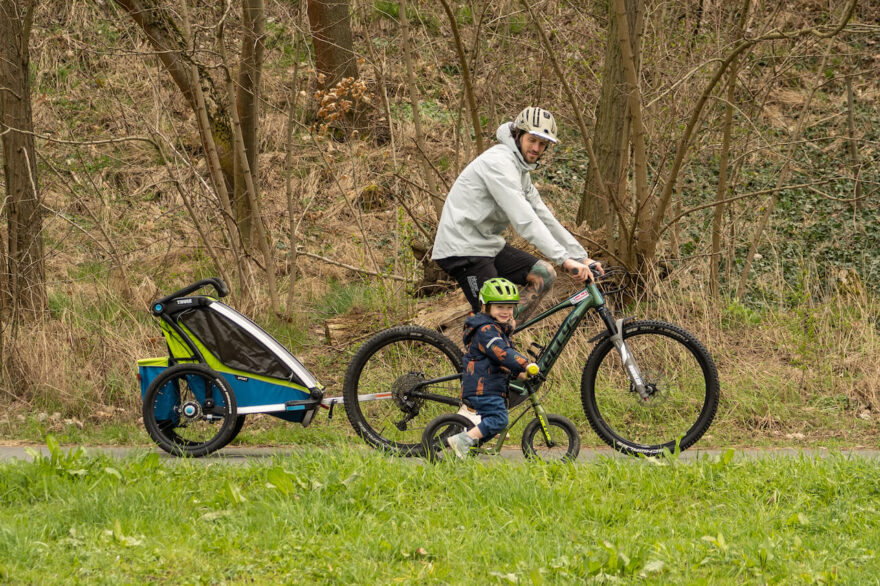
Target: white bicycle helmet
x=537 y=121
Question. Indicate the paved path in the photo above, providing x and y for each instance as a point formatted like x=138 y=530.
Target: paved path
x=242 y=455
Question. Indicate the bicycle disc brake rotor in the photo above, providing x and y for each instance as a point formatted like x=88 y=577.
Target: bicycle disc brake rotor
x=401 y=390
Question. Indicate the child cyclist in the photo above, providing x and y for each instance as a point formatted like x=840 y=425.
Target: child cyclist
x=489 y=362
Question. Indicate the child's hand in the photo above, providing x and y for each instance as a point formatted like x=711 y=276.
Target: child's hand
x=531 y=370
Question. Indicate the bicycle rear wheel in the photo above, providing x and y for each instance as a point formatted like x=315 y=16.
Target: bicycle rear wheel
x=681 y=379
x=564 y=444
x=384 y=391
x=435 y=439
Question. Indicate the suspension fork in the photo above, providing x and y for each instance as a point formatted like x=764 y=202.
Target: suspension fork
x=615 y=328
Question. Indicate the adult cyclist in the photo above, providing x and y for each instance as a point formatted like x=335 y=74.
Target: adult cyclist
x=495 y=190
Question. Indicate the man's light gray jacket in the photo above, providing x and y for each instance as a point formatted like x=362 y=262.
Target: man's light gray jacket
x=495 y=190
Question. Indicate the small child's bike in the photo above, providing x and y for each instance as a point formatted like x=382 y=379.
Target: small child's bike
x=646 y=386
x=546 y=437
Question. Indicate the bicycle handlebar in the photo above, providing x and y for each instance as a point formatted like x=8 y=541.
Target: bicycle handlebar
x=216 y=282
x=592 y=266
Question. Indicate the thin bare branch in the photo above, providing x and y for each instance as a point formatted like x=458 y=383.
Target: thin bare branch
x=350 y=267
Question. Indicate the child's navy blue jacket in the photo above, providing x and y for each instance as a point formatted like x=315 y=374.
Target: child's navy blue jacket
x=490 y=357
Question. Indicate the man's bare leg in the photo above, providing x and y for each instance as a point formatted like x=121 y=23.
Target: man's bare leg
x=538 y=282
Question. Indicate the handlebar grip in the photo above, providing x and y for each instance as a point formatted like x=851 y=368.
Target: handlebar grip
x=218 y=284
x=532 y=369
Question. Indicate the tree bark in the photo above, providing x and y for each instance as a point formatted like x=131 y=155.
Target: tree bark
x=851 y=143
x=247 y=101
x=723 y=163
x=26 y=271
x=331 y=36
x=612 y=124
x=629 y=57
x=171 y=45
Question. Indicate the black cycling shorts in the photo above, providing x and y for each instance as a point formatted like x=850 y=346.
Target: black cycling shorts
x=472 y=271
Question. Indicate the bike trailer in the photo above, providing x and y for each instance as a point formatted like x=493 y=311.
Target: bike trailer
x=228 y=368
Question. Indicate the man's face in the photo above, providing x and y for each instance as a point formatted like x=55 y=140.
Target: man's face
x=532 y=147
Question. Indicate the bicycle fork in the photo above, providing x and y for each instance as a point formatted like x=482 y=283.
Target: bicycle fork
x=541 y=414
x=629 y=363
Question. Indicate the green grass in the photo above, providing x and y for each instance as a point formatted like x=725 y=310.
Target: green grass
x=356 y=516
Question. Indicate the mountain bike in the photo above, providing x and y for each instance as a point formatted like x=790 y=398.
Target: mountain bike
x=647 y=386
x=547 y=437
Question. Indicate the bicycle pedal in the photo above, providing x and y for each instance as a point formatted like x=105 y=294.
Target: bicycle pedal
x=532 y=352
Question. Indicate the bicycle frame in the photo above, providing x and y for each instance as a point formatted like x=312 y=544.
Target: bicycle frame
x=588 y=298
x=499 y=440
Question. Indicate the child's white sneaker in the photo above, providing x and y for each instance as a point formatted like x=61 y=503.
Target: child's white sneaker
x=461 y=444
x=470 y=414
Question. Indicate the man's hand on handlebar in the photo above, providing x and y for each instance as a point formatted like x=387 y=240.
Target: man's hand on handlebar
x=583 y=271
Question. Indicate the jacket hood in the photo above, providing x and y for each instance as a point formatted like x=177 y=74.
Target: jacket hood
x=477 y=321
x=505 y=137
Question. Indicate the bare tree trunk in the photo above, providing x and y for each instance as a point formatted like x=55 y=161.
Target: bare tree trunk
x=723 y=163
x=247 y=101
x=629 y=56
x=331 y=36
x=164 y=34
x=172 y=47
x=173 y=44
x=612 y=123
x=215 y=168
x=292 y=206
x=569 y=93
x=851 y=143
x=262 y=235
x=466 y=77
x=26 y=270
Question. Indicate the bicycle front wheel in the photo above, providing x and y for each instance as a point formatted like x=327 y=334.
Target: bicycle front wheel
x=681 y=380
x=563 y=444
x=388 y=394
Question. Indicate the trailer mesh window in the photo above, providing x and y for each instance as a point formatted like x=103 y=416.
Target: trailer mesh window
x=233 y=345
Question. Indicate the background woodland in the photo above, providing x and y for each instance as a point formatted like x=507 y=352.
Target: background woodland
x=725 y=153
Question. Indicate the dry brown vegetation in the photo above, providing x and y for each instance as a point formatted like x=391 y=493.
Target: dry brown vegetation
x=119 y=151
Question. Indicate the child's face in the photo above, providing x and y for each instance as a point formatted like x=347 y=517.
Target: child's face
x=502 y=312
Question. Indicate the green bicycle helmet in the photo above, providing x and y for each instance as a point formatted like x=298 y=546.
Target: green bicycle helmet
x=498 y=290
